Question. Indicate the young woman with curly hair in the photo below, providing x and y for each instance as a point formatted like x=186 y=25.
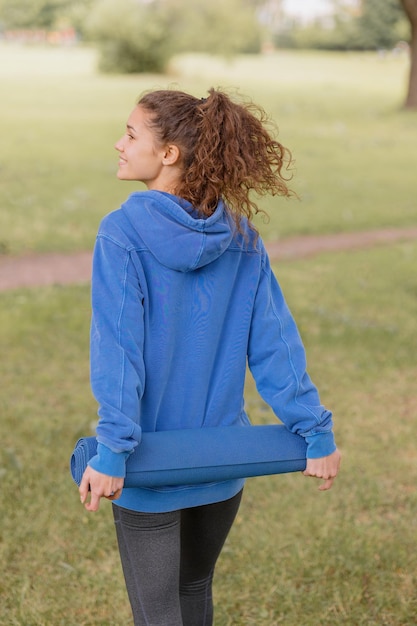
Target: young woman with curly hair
x=184 y=299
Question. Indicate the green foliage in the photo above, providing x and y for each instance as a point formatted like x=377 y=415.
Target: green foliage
x=379 y=25
x=142 y=36
x=376 y=26
x=76 y=14
x=215 y=27
x=26 y=13
x=132 y=36
x=15 y=14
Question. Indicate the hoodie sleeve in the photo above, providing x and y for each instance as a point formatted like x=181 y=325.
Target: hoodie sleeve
x=277 y=360
x=116 y=355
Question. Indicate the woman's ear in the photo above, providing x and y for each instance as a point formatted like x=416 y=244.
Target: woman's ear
x=171 y=155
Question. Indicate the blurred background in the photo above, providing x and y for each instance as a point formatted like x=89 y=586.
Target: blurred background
x=337 y=77
x=339 y=80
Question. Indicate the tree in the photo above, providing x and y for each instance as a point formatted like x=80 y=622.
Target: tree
x=26 y=13
x=377 y=24
x=45 y=14
x=362 y=25
x=410 y=8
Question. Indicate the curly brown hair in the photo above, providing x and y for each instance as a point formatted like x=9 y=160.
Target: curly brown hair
x=226 y=150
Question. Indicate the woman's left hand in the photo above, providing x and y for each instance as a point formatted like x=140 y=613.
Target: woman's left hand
x=326 y=467
x=99 y=486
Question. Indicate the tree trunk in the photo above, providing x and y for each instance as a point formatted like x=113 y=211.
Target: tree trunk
x=410 y=8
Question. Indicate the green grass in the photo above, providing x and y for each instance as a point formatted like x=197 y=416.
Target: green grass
x=354 y=147
x=295 y=556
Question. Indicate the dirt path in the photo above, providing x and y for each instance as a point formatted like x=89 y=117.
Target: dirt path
x=37 y=270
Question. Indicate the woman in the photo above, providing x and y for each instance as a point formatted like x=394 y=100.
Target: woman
x=183 y=299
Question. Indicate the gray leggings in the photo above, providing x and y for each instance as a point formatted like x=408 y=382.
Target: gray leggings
x=168 y=561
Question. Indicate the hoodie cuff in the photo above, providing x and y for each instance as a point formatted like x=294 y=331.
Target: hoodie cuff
x=320 y=444
x=108 y=462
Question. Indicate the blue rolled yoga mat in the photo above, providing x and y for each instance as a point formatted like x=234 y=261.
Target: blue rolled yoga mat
x=193 y=456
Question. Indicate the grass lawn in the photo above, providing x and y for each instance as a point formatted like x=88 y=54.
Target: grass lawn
x=295 y=556
x=354 y=148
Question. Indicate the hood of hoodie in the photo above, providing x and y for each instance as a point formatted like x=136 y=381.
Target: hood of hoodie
x=172 y=231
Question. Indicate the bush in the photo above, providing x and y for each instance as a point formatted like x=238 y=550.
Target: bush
x=132 y=36
x=142 y=36
x=215 y=27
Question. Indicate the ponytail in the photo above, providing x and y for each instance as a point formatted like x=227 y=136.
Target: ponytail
x=226 y=150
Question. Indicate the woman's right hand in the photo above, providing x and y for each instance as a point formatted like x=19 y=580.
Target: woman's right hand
x=326 y=468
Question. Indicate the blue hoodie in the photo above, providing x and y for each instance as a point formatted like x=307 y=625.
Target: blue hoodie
x=181 y=306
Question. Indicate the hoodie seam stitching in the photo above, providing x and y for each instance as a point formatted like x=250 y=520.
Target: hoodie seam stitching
x=291 y=361
x=117 y=243
x=119 y=333
x=200 y=252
